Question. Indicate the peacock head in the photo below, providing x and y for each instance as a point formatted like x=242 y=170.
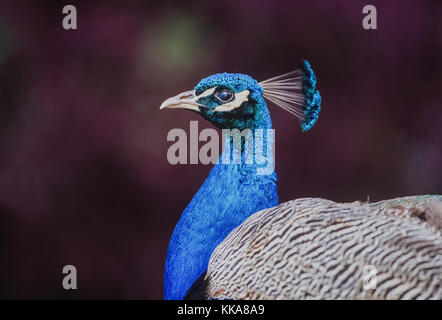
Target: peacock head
x=237 y=101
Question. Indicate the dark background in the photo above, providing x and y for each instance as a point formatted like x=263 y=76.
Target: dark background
x=84 y=177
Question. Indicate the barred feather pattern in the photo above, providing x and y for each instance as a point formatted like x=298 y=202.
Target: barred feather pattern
x=317 y=249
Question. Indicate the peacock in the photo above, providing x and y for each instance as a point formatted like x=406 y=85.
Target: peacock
x=235 y=241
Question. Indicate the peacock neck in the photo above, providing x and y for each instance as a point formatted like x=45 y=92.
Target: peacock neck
x=230 y=194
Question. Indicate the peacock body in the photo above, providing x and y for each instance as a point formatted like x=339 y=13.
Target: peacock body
x=234 y=241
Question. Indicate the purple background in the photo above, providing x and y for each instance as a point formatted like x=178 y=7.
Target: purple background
x=84 y=178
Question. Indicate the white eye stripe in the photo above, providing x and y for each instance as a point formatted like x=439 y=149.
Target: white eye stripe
x=240 y=97
x=206 y=93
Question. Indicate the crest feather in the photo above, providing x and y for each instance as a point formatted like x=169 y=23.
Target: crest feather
x=295 y=92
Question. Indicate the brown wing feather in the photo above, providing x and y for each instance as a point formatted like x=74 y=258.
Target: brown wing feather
x=318 y=249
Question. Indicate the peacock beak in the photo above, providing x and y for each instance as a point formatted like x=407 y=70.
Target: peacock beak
x=185 y=100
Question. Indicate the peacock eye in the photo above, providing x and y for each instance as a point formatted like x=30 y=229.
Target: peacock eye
x=225 y=96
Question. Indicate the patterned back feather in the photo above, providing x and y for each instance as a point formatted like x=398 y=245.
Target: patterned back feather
x=317 y=249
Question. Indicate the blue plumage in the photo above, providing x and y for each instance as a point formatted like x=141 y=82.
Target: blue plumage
x=213 y=213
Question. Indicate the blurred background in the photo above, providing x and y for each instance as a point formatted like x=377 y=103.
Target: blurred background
x=84 y=178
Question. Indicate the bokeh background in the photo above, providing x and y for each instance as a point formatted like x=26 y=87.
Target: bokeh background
x=84 y=177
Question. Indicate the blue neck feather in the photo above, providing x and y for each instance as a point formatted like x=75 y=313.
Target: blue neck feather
x=229 y=195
